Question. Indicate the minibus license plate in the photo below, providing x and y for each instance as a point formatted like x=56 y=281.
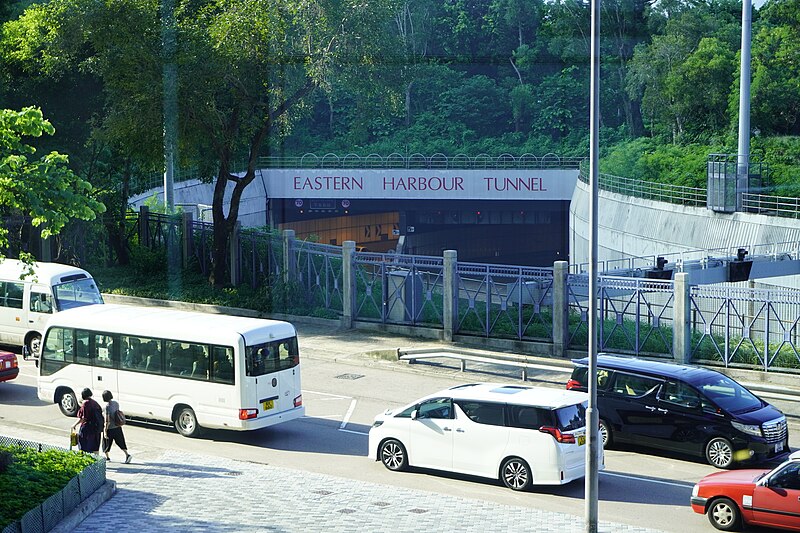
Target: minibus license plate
x=268 y=404
x=779 y=447
x=581 y=440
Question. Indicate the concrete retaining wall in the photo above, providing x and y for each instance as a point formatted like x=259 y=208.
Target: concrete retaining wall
x=629 y=226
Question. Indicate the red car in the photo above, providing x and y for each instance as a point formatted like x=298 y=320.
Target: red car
x=8 y=366
x=758 y=497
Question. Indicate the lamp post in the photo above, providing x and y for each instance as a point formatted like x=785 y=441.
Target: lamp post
x=170 y=100
x=743 y=166
x=592 y=418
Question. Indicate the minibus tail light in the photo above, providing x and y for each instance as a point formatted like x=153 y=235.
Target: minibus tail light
x=573 y=384
x=565 y=438
x=247 y=414
x=298 y=401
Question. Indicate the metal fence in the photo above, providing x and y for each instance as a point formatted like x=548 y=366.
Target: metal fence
x=650 y=190
x=746 y=326
x=420 y=161
x=50 y=512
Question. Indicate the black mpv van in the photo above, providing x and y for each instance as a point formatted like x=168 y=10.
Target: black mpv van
x=682 y=408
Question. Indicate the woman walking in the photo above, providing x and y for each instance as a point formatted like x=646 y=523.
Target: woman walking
x=112 y=432
x=90 y=419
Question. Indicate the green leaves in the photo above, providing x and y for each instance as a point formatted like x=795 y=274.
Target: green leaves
x=44 y=189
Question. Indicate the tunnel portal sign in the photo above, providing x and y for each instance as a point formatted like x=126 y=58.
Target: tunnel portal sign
x=425 y=184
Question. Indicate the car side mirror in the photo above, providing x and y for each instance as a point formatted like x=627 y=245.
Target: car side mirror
x=414 y=414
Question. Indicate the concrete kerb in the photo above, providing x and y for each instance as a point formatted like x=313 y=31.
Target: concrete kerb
x=86 y=507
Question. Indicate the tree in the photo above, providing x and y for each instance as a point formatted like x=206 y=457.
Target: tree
x=245 y=71
x=44 y=189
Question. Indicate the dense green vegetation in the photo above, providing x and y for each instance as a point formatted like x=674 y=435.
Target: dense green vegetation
x=396 y=76
x=28 y=477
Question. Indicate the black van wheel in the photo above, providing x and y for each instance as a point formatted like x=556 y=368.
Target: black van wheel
x=719 y=452
x=605 y=433
x=724 y=514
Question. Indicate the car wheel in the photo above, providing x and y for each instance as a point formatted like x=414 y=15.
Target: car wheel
x=393 y=455
x=186 y=423
x=516 y=474
x=605 y=433
x=719 y=452
x=724 y=514
x=68 y=403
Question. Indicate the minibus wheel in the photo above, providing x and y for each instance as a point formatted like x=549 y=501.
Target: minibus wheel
x=68 y=403
x=33 y=345
x=186 y=422
x=516 y=474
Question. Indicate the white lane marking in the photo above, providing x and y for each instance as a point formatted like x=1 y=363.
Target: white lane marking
x=648 y=480
x=333 y=396
x=353 y=432
x=348 y=414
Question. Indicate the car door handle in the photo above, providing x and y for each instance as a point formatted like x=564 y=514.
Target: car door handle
x=660 y=410
x=446 y=429
x=459 y=430
x=649 y=407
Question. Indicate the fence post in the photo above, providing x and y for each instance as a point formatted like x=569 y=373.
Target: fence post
x=188 y=238
x=348 y=283
x=45 y=253
x=450 y=296
x=681 y=325
x=560 y=308
x=236 y=250
x=289 y=263
x=144 y=226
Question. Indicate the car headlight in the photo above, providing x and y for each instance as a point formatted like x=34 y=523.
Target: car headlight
x=695 y=490
x=747 y=428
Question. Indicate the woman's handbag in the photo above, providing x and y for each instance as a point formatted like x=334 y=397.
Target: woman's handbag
x=73 y=438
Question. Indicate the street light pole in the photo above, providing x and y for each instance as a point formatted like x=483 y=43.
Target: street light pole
x=592 y=418
x=170 y=100
x=743 y=167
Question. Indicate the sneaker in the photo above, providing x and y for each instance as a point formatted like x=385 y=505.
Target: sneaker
x=108 y=458
x=128 y=459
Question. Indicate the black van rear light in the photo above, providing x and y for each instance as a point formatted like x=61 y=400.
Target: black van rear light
x=574 y=384
x=565 y=438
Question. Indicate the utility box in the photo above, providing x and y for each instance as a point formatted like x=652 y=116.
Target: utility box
x=404 y=296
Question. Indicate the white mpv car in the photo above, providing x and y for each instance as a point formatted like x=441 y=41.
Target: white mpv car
x=520 y=435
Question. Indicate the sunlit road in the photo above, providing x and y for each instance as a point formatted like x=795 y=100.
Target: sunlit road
x=341 y=400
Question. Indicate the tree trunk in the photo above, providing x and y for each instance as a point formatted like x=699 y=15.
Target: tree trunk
x=221 y=233
x=408 y=103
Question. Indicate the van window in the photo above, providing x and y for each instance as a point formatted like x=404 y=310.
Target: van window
x=730 y=396
x=523 y=416
x=484 y=412
x=571 y=417
x=436 y=408
x=634 y=386
x=680 y=393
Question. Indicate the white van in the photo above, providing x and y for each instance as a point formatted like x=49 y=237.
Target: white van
x=518 y=434
x=27 y=303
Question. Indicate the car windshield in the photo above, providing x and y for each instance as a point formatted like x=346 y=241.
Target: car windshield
x=76 y=293
x=730 y=396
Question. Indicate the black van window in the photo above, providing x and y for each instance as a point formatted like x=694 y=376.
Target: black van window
x=634 y=386
x=730 y=396
x=680 y=393
x=484 y=412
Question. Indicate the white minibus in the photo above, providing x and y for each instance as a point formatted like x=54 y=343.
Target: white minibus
x=30 y=294
x=192 y=370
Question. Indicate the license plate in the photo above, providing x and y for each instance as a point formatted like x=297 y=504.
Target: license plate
x=779 y=447
x=581 y=440
x=268 y=404
x=8 y=364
